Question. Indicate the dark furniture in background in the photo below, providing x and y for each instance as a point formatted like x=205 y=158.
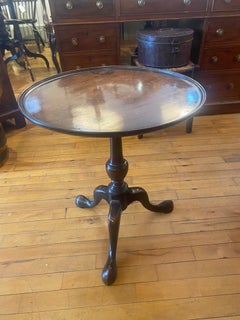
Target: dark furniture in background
x=20 y=50
x=26 y=14
x=50 y=35
x=102 y=102
x=3 y=145
x=8 y=103
x=91 y=33
x=7 y=44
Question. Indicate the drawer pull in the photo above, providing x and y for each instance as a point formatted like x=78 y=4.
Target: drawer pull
x=219 y=32
x=227 y=1
x=231 y=86
x=141 y=3
x=99 y=4
x=214 y=59
x=187 y=2
x=237 y=57
x=74 y=42
x=69 y=5
x=102 y=39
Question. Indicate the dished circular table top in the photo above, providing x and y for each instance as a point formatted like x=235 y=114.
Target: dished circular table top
x=112 y=101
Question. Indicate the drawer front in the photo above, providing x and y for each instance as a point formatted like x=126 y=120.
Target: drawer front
x=87 y=37
x=221 y=58
x=143 y=7
x=72 y=61
x=221 y=30
x=226 y=5
x=221 y=87
x=81 y=9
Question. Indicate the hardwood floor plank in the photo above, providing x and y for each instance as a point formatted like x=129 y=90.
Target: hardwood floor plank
x=101 y=296
x=206 y=224
x=220 y=251
x=197 y=269
x=64 y=248
x=33 y=283
x=47 y=265
x=91 y=278
x=185 y=309
x=149 y=257
x=188 y=288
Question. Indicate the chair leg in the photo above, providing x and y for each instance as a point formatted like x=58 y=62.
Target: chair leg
x=15 y=53
x=27 y=66
x=20 y=121
x=36 y=55
x=52 y=45
x=38 y=38
x=189 y=124
x=55 y=62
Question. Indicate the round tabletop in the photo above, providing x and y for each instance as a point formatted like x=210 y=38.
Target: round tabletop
x=112 y=101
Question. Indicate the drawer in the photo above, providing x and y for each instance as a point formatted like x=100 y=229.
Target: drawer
x=86 y=37
x=221 y=30
x=72 y=61
x=221 y=86
x=221 y=58
x=143 y=7
x=225 y=5
x=81 y=9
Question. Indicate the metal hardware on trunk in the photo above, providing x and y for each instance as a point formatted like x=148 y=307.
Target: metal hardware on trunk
x=219 y=32
x=99 y=4
x=102 y=39
x=231 y=86
x=141 y=3
x=214 y=59
x=238 y=57
x=187 y=2
x=69 y=5
x=175 y=47
x=74 y=42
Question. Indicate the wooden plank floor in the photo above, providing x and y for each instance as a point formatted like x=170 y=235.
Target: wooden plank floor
x=179 y=266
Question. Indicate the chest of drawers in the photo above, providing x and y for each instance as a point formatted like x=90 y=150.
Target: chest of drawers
x=148 y=8
x=87 y=45
x=225 y=5
x=220 y=60
x=81 y=41
x=64 y=10
x=88 y=33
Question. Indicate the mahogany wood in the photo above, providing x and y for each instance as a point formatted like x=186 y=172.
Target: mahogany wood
x=119 y=196
x=113 y=102
x=8 y=103
x=185 y=263
x=214 y=36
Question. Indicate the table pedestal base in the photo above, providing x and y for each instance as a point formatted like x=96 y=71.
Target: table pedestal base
x=119 y=196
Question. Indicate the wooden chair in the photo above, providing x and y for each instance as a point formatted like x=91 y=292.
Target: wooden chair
x=50 y=35
x=8 y=44
x=16 y=42
x=25 y=11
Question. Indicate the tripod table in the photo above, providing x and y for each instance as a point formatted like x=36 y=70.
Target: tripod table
x=113 y=102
